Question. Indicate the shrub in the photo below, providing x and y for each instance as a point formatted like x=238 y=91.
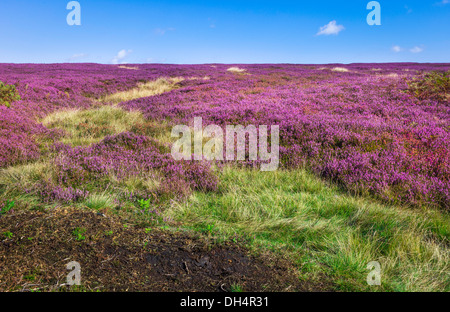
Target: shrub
x=8 y=94
x=6 y=207
x=79 y=234
x=433 y=85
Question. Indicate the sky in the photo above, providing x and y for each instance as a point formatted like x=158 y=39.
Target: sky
x=216 y=31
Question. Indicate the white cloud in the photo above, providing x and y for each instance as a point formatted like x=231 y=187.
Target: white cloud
x=416 y=50
x=120 y=56
x=330 y=29
x=396 y=48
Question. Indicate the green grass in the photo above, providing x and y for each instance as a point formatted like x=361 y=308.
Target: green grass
x=8 y=234
x=326 y=232
x=78 y=234
x=236 y=288
x=99 y=201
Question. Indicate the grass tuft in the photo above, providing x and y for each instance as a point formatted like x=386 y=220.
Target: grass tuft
x=99 y=201
x=150 y=88
x=84 y=127
x=236 y=70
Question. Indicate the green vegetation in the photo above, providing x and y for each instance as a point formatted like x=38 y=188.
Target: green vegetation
x=236 y=288
x=325 y=231
x=7 y=207
x=78 y=233
x=32 y=276
x=99 y=201
x=144 y=205
x=433 y=85
x=8 y=234
x=329 y=234
x=8 y=94
x=84 y=127
x=109 y=196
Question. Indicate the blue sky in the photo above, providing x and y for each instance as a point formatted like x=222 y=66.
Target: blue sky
x=215 y=31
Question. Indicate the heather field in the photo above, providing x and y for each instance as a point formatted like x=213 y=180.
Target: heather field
x=364 y=175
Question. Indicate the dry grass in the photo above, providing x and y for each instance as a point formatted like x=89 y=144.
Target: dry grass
x=389 y=76
x=128 y=67
x=199 y=78
x=340 y=69
x=236 y=70
x=335 y=69
x=84 y=127
x=24 y=175
x=150 y=88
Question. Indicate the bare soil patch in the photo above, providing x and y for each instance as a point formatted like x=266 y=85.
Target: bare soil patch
x=114 y=256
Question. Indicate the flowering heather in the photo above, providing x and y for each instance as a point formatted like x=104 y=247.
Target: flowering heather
x=46 y=88
x=17 y=137
x=361 y=128
x=123 y=156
